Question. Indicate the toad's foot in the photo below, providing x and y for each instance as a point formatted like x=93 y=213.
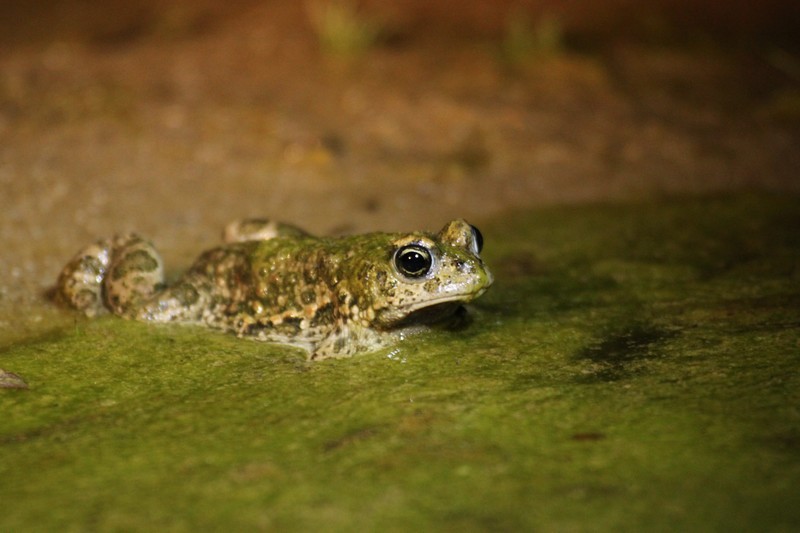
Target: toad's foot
x=259 y=229
x=115 y=274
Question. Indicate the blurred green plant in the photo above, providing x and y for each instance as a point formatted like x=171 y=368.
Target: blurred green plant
x=341 y=28
x=523 y=41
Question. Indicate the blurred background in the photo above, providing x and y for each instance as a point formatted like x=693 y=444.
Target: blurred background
x=174 y=117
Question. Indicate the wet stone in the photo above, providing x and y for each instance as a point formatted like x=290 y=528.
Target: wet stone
x=9 y=380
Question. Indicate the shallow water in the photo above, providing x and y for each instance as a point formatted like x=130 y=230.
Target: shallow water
x=635 y=366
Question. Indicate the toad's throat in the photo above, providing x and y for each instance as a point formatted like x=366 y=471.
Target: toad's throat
x=428 y=312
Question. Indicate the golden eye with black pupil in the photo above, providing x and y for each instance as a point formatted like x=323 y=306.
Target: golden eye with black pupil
x=413 y=261
x=477 y=238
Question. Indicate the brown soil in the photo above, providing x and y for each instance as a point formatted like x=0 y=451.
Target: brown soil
x=174 y=120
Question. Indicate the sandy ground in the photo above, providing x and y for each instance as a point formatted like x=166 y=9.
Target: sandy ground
x=177 y=128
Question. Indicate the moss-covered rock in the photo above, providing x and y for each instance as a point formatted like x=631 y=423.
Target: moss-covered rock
x=634 y=367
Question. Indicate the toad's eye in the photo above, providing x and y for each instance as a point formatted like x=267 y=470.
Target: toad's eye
x=413 y=261
x=477 y=239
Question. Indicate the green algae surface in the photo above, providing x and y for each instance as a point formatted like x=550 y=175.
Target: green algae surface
x=635 y=367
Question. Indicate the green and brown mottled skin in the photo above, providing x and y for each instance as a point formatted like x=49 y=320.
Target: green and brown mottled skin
x=333 y=297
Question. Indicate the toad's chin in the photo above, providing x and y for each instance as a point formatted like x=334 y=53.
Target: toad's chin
x=430 y=313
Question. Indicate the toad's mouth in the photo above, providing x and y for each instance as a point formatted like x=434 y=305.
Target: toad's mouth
x=429 y=311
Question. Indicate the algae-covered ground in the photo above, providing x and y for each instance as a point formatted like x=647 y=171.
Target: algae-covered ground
x=635 y=367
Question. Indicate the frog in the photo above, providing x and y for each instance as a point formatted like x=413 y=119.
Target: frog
x=333 y=296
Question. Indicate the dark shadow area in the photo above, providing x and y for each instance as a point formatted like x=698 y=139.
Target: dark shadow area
x=618 y=355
